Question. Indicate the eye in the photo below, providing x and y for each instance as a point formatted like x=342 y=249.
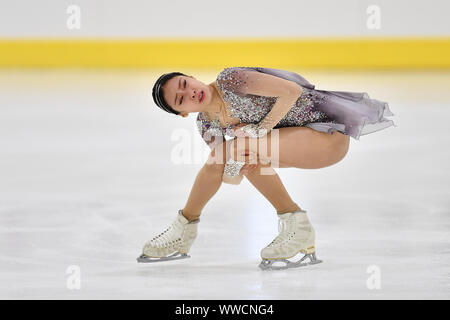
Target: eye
x=181 y=100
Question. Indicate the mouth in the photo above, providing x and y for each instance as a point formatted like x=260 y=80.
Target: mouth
x=201 y=95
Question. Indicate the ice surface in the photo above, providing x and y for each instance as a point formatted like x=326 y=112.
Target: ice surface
x=87 y=176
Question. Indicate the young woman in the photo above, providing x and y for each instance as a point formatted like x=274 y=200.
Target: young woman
x=277 y=119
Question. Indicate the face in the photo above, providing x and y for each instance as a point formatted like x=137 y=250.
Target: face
x=182 y=93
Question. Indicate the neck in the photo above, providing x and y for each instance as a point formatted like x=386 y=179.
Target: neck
x=216 y=101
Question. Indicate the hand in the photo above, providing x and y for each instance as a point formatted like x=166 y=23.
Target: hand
x=252 y=130
x=244 y=162
x=238 y=132
x=247 y=168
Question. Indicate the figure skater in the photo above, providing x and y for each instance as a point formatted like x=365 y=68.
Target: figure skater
x=277 y=119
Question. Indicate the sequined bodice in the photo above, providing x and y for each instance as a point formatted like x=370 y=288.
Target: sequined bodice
x=248 y=108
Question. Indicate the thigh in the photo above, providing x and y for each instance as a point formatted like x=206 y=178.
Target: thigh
x=303 y=147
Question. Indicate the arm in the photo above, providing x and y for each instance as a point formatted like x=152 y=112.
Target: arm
x=258 y=83
x=242 y=81
x=280 y=109
x=213 y=136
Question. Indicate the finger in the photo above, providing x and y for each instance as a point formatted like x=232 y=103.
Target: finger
x=250 y=168
x=240 y=133
x=251 y=159
x=237 y=127
x=244 y=169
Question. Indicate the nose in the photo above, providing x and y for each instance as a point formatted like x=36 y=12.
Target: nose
x=191 y=92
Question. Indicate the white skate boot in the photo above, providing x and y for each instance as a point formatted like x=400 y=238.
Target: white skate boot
x=174 y=243
x=296 y=234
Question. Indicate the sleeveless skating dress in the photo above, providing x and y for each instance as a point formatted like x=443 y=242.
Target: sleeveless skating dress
x=351 y=113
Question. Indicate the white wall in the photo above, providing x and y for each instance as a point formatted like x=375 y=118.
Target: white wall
x=225 y=18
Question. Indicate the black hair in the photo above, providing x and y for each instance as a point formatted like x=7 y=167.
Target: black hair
x=158 y=91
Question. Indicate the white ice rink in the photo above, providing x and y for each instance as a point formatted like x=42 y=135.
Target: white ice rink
x=86 y=177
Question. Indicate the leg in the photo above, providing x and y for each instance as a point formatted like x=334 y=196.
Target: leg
x=272 y=189
x=209 y=180
x=294 y=143
x=298 y=147
x=303 y=147
x=175 y=241
x=206 y=184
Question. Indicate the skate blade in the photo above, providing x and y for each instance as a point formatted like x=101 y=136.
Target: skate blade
x=176 y=256
x=268 y=264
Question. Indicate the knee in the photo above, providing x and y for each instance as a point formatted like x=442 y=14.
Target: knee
x=260 y=169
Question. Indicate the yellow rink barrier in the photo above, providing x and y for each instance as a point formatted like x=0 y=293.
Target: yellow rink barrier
x=345 y=53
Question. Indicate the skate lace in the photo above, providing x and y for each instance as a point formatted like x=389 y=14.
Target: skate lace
x=167 y=237
x=282 y=230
